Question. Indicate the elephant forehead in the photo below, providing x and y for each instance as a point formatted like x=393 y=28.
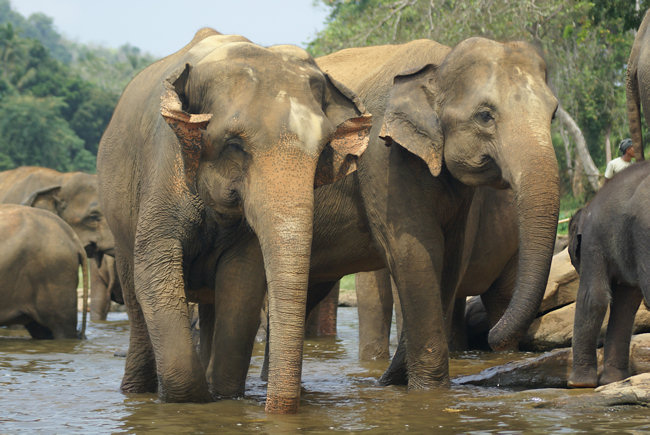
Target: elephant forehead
x=306 y=125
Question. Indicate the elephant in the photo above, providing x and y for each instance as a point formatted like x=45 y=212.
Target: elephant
x=490 y=273
x=453 y=119
x=609 y=246
x=39 y=264
x=637 y=86
x=210 y=160
x=104 y=288
x=73 y=197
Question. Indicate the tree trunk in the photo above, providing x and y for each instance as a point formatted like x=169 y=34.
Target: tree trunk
x=581 y=147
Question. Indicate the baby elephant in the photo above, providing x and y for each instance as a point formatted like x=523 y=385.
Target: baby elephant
x=40 y=257
x=609 y=245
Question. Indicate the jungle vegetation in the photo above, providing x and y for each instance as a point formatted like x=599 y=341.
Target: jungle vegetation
x=56 y=96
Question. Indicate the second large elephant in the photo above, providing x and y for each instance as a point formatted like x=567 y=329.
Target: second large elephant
x=479 y=114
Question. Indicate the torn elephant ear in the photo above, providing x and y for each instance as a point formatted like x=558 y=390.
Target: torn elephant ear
x=339 y=158
x=410 y=120
x=187 y=127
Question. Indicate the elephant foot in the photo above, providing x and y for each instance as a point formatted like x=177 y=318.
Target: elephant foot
x=583 y=377
x=613 y=374
x=130 y=385
x=394 y=376
x=428 y=383
x=197 y=392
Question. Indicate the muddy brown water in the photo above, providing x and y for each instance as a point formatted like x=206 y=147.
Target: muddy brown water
x=73 y=387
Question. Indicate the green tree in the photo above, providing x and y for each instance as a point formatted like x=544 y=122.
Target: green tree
x=33 y=132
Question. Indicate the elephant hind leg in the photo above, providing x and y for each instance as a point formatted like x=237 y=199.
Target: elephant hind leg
x=591 y=306
x=625 y=302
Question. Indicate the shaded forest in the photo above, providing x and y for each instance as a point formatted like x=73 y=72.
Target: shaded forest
x=56 y=96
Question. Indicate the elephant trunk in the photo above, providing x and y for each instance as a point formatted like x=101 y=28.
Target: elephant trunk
x=283 y=222
x=537 y=201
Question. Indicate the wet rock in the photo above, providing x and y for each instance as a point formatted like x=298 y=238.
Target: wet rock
x=551 y=369
x=562 y=285
x=120 y=354
x=555 y=329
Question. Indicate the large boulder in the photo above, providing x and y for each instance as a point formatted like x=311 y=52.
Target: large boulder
x=555 y=329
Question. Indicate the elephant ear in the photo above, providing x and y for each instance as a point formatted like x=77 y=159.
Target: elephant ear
x=188 y=127
x=575 y=238
x=410 y=119
x=344 y=109
x=46 y=198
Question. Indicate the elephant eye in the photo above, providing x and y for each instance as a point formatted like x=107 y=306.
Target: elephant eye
x=485 y=116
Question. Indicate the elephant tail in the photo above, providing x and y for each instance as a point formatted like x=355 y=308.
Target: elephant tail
x=634 y=110
x=83 y=262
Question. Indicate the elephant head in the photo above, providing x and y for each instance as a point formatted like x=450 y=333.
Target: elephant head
x=259 y=129
x=75 y=200
x=484 y=114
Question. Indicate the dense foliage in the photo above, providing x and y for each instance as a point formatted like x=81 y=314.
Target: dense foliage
x=56 y=97
x=586 y=44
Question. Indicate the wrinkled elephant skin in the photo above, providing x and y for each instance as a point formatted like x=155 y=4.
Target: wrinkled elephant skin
x=219 y=138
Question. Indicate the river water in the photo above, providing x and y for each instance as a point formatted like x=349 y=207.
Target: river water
x=70 y=386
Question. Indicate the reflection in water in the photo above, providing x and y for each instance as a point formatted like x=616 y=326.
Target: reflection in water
x=70 y=386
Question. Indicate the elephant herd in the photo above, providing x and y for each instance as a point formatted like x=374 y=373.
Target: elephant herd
x=230 y=172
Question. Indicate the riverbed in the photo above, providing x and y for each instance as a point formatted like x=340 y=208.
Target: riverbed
x=70 y=387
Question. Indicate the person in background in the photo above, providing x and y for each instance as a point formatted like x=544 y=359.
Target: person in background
x=618 y=164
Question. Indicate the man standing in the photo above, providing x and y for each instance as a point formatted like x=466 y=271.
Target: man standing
x=618 y=164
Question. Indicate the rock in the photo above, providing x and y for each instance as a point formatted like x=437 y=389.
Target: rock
x=347 y=298
x=633 y=390
x=562 y=285
x=555 y=329
x=551 y=369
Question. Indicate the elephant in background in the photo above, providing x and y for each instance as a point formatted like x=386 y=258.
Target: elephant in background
x=73 y=197
x=609 y=245
x=638 y=85
x=209 y=163
x=39 y=268
x=454 y=119
x=104 y=288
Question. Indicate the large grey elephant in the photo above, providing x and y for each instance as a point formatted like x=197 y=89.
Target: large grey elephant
x=609 y=245
x=638 y=85
x=40 y=257
x=210 y=149
x=479 y=114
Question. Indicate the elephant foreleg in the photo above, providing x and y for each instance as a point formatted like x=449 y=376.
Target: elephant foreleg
x=239 y=294
x=625 y=302
x=140 y=368
x=321 y=318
